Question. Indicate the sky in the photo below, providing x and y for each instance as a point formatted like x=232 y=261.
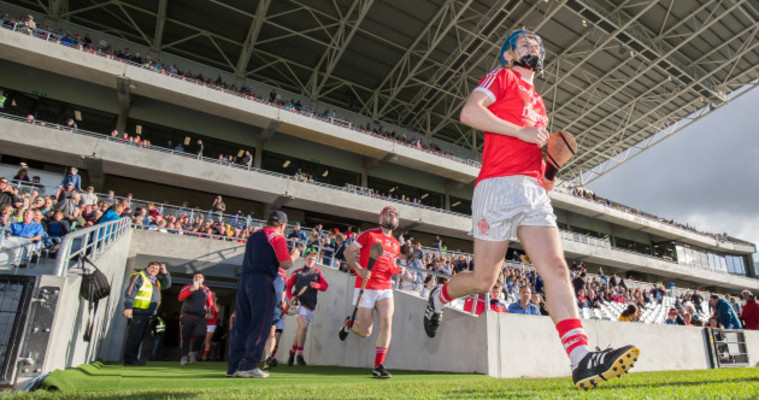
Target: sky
x=704 y=175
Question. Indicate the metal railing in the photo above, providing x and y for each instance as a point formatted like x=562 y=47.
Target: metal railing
x=174 y=152
x=48 y=36
x=88 y=242
x=17 y=252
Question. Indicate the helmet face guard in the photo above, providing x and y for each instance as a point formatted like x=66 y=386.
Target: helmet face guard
x=526 y=60
x=384 y=223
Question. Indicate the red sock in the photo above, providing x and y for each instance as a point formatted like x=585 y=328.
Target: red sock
x=274 y=352
x=299 y=351
x=379 y=356
x=292 y=351
x=444 y=297
x=205 y=352
x=574 y=339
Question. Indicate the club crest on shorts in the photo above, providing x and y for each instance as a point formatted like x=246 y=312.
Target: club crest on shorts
x=483 y=226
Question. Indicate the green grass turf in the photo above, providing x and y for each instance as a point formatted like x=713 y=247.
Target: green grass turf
x=167 y=380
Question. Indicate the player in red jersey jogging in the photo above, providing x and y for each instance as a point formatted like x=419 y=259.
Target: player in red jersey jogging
x=312 y=279
x=378 y=294
x=511 y=200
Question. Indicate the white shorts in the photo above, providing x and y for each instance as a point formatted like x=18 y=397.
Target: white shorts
x=210 y=328
x=309 y=314
x=370 y=296
x=502 y=204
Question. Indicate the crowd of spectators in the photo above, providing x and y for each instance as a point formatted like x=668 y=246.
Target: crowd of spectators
x=27 y=25
x=28 y=212
x=589 y=195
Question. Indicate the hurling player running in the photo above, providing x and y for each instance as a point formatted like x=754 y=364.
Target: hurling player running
x=378 y=294
x=511 y=200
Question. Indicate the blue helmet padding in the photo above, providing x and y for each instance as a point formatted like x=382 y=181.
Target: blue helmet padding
x=511 y=44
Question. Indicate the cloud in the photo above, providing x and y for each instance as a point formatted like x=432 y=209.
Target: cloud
x=705 y=175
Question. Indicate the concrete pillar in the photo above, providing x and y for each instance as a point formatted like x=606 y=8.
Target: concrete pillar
x=447 y=197
x=124 y=94
x=259 y=154
x=365 y=177
x=95 y=173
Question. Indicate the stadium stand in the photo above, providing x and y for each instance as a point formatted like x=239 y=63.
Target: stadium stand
x=85 y=43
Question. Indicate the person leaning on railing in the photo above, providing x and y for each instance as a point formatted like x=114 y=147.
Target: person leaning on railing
x=141 y=301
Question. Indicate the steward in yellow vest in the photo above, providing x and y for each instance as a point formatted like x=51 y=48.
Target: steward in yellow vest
x=141 y=300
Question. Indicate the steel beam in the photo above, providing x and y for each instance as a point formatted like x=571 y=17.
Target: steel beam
x=338 y=43
x=419 y=50
x=251 y=38
x=159 y=25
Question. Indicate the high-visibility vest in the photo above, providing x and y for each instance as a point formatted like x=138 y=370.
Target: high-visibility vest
x=2 y=101
x=159 y=328
x=145 y=294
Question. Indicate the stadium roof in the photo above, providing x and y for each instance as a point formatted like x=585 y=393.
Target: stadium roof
x=620 y=75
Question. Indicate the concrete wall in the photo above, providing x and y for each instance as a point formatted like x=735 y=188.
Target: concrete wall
x=500 y=345
x=410 y=348
x=66 y=347
x=529 y=346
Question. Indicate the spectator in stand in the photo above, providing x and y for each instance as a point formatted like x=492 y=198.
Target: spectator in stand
x=579 y=282
x=495 y=298
x=629 y=314
x=89 y=198
x=57 y=228
x=27 y=229
x=197 y=301
x=724 y=313
x=750 y=314
x=524 y=306
x=218 y=207
x=697 y=299
x=613 y=281
x=73 y=178
x=298 y=234
x=71 y=125
x=141 y=300
x=110 y=198
x=112 y=214
x=733 y=303
x=537 y=299
x=688 y=318
x=199 y=148
x=6 y=192
x=29 y=25
x=6 y=215
x=582 y=299
x=22 y=176
x=671 y=317
x=594 y=300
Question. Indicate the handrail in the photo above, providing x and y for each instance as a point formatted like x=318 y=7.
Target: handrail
x=88 y=241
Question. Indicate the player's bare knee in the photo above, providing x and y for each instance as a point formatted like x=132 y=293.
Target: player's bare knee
x=362 y=332
x=556 y=268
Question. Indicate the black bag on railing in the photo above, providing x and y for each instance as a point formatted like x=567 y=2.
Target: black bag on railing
x=94 y=287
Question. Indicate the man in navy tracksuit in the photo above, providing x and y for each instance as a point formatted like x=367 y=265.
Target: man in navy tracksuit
x=265 y=252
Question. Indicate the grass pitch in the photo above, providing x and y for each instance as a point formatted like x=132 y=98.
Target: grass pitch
x=167 y=380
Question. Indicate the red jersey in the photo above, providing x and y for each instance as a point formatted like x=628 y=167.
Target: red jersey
x=515 y=101
x=385 y=266
x=214 y=316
